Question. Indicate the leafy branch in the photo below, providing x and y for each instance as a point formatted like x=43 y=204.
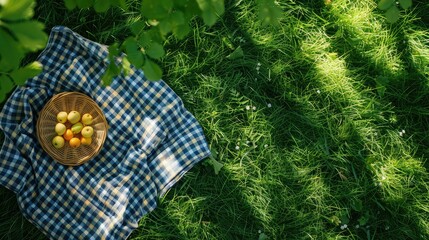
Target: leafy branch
x=159 y=19
x=19 y=35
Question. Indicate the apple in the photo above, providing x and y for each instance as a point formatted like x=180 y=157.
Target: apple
x=58 y=142
x=62 y=117
x=87 y=131
x=60 y=128
x=85 y=141
x=74 y=142
x=77 y=127
x=87 y=119
x=68 y=135
x=73 y=117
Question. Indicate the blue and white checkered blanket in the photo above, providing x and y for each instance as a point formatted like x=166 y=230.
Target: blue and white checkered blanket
x=152 y=141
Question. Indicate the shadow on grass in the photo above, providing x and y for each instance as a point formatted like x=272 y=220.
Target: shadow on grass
x=13 y=225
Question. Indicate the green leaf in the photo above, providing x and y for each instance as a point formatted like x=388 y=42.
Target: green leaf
x=190 y=9
x=156 y=9
x=134 y=54
x=155 y=51
x=6 y=85
x=151 y=70
x=165 y=27
x=70 y=4
x=179 y=24
x=101 y=5
x=107 y=76
x=126 y=66
x=405 y=4
x=113 y=50
x=385 y=4
x=111 y=71
x=238 y=53
x=138 y=27
x=181 y=31
x=84 y=3
x=120 y=3
x=20 y=75
x=211 y=10
x=149 y=36
x=30 y=34
x=345 y=219
x=392 y=14
x=11 y=53
x=217 y=166
x=174 y=22
x=17 y=10
x=269 y=12
x=263 y=236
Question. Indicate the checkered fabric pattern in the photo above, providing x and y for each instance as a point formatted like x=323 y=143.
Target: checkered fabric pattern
x=152 y=141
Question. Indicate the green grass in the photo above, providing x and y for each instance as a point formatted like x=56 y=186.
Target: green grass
x=308 y=124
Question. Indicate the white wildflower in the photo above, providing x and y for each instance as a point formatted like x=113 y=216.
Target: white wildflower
x=247 y=107
x=269 y=105
x=254 y=108
x=237 y=147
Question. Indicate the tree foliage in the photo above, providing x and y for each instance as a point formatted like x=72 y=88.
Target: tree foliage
x=20 y=34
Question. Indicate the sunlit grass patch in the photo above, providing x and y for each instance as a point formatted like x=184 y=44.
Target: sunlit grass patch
x=418 y=42
x=366 y=32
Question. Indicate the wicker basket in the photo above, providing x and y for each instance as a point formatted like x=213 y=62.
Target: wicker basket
x=69 y=101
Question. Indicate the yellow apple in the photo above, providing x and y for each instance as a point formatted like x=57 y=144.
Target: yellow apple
x=85 y=141
x=73 y=117
x=62 y=117
x=87 y=119
x=58 y=142
x=74 y=142
x=60 y=128
x=87 y=132
x=77 y=127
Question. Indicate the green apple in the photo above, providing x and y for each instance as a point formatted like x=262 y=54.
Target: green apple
x=77 y=127
x=73 y=117
x=87 y=132
x=62 y=117
x=60 y=128
x=87 y=119
x=58 y=142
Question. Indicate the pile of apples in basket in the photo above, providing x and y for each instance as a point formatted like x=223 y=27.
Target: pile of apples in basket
x=74 y=129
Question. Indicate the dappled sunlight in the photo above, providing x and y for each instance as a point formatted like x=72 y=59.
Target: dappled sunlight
x=360 y=27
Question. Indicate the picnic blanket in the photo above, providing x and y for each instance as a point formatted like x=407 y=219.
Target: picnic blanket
x=152 y=141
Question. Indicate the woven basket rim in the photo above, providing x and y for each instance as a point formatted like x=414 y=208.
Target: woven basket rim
x=62 y=155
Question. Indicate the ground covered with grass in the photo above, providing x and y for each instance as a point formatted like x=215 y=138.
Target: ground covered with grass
x=322 y=124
